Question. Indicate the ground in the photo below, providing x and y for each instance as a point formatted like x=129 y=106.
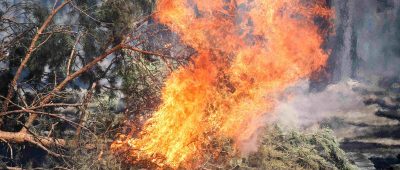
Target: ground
x=370 y=135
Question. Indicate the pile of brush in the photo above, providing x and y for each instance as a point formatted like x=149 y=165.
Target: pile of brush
x=282 y=149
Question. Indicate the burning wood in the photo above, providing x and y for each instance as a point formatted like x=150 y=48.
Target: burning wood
x=248 y=53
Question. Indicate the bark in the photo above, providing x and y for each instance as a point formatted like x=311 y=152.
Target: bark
x=41 y=141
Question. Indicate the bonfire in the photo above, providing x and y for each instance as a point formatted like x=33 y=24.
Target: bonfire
x=247 y=53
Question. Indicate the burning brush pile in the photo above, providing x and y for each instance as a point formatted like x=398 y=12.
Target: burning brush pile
x=247 y=53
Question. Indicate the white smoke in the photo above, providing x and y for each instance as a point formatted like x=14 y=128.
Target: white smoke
x=304 y=109
x=365 y=50
x=365 y=45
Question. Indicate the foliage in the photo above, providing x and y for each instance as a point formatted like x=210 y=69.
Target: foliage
x=92 y=151
x=79 y=32
x=295 y=150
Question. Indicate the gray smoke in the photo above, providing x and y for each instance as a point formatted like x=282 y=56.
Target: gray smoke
x=365 y=50
x=305 y=110
x=367 y=40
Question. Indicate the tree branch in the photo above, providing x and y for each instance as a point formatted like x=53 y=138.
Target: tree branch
x=60 y=86
x=31 y=49
x=163 y=57
x=83 y=117
x=40 y=141
x=72 y=55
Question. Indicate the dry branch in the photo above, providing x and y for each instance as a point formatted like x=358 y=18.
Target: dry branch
x=41 y=141
x=72 y=55
x=83 y=116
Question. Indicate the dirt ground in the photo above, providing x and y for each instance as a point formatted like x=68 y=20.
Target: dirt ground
x=371 y=135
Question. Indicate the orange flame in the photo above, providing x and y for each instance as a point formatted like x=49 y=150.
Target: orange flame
x=248 y=52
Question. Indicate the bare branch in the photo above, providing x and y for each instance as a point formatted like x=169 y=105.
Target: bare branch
x=72 y=55
x=13 y=168
x=40 y=141
x=86 y=14
x=83 y=116
x=163 y=57
x=143 y=51
x=9 y=147
x=38 y=46
x=19 y=137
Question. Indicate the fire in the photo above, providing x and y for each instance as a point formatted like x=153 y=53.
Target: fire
x=248 y=53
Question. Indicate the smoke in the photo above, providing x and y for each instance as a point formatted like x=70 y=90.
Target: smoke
x=304 y=109
x=366 y=42
x=248 y=80
x=246 y=55
x=365 y=51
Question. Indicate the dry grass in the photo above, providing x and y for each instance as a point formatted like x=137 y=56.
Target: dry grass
x=295 y=150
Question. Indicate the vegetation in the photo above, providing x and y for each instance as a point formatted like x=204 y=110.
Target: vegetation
x=295 y=150
x=65 y=66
